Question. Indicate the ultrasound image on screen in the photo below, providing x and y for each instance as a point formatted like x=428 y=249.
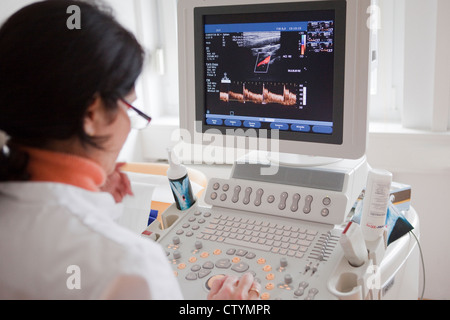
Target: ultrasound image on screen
x=270 y=74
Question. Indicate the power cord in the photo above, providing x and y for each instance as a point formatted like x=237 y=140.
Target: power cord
x=423 y=264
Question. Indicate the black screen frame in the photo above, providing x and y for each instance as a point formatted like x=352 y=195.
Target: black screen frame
x=340 y=9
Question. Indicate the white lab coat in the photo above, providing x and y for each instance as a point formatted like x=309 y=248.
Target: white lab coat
x=61 y=242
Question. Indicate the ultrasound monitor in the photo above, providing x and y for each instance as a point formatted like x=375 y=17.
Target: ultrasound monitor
x=296 y=71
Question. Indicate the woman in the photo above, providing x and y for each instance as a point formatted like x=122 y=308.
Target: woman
x=65 y=98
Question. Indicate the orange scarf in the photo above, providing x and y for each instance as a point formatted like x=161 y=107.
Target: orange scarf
x=49 y=166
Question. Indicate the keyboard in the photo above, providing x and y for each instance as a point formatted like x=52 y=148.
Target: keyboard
x=262 y=235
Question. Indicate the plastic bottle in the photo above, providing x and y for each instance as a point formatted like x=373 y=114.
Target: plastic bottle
x=180 y=183
x=376 y=201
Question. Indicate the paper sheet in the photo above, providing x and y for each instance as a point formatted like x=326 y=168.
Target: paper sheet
x=146 y=187
x=137 y=208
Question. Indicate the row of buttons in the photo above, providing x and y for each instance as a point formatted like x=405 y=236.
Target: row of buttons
x=239 y=123
x=198 y=272
x=270 y=198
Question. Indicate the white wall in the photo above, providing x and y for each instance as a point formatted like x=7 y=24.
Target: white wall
x=8 y=7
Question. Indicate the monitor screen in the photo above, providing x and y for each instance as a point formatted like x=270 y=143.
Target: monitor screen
x=272 y=67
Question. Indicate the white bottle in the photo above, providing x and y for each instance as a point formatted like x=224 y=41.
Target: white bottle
x=376 y=201
x=179 y=183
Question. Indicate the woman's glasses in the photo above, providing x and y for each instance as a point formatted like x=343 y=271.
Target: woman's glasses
x=139 y=120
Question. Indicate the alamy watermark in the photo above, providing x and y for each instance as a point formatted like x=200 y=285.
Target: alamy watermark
x=214 y=147
x=73 y=282
x=74 y=20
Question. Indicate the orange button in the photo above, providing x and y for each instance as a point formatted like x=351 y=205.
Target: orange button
x=236 y=260
x=192 y=259
x=267 y=268
x=217 y=252
x=265 y=296
x=270 y=286
x=204 y=254
x=181 y=266
x=270 y=276
x=261 y=261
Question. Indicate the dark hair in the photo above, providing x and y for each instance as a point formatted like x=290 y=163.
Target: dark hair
x=50 y=73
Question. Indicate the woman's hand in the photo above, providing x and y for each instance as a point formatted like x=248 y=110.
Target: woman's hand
x=232 y=288
x=118 y=184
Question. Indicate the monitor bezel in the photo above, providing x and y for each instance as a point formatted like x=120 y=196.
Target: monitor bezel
x=356 y=92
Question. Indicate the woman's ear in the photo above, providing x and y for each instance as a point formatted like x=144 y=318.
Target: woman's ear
x=94 y=117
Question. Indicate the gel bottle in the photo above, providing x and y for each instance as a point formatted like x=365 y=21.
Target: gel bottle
x=179 y=183
x=376 y=201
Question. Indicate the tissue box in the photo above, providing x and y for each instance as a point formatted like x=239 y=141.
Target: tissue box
x=401 y=194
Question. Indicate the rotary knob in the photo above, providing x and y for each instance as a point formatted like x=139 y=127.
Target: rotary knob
x=198 y=245
x=288 y=279
x=176 y=254
x=283 y=262
x=176 y=240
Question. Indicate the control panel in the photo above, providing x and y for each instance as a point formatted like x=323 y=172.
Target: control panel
x=284 y=201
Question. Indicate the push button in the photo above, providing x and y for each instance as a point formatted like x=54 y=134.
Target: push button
x=312 y=293
x=235 y=198
x=191 y=276
x=295 y=200
x=326 y=201
x=240 y=267
x=203 y=273
x=196 y=268
x=307 y=207
x=208 y=265
x=325 y=212
x=301 y=289
x=259 y=194
x=283 y=199
x=248 y=192
x=223 y=263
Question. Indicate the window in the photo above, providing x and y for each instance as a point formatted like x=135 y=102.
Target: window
x=154 y=23
x=412 y=65
x=386 y=86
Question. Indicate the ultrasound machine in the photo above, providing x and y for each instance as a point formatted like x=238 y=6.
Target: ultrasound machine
x=294 y=72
